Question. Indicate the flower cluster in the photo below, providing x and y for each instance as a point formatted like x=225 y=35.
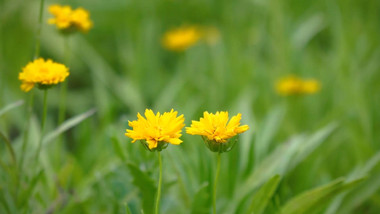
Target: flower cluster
x=181 y=38
x=293 y=85
x=155 y=131
x=44 y=73
x=68 y=20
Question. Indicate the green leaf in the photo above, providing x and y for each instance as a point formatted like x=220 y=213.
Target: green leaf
x=267 y=131
x=127 y=210
x=146 y=186
x=263 y=195
x=313 y=142
x=201 y=200
x=359 y=196
x=67 y=125
x=11 y=106
x=314 y=199
x=348 y=200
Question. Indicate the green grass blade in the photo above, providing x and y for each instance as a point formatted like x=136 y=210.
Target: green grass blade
x=266 y=132
x=312 y=200
x=67 y=125
x=11 y=106
x=283 y=159
x=348 y=201
x=264 y=194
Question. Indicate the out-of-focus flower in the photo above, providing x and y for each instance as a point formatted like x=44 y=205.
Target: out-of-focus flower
x=216 y=131
x=156 y=131
x=181 y=38
x=293 y=85
x=68 y=20
x=43 y=73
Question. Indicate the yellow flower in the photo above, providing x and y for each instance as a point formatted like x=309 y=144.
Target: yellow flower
x=293 y=85
x=181 y=38
x=157 y=130
x=68 y=20
x=310 y=86
x=44 y=73
x=216 y=130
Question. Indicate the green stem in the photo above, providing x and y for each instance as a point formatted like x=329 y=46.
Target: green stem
x=29 y=110
x=44 y=113
x=216 y=182
x=39 y=28
x=159 y=185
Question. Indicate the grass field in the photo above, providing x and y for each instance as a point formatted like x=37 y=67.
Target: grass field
x=311 y=153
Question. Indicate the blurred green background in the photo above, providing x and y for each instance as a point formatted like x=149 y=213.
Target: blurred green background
x=120 y=68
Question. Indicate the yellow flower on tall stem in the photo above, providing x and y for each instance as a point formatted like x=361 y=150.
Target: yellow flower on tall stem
x=182 y=38
x=68 y=20
x=155 y=132
x=44 y=73
x=218 y=135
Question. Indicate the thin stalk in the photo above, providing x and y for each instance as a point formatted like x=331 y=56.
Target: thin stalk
x=29 y=110
x=44 y=113
x=159 y=185
x=216 y=183
x=39 y=28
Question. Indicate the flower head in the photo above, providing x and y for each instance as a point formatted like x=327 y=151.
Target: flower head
x=293 y=85
x=155 y=131
x=181 y=38
x=44 y=73
x=68 y=20
x=216 y=130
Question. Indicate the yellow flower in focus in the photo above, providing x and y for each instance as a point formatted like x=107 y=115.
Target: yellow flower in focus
x=44 y=73
x=156 y=131
x=181 y=38
x=293 y=85
x=216 y=128
x=68 y=20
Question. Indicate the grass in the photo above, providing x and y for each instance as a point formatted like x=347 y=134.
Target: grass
x=304 y=154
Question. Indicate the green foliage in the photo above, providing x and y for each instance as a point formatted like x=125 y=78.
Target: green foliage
x=302 y=154
x=263 y=196
x=146 y=186
x=313 y=200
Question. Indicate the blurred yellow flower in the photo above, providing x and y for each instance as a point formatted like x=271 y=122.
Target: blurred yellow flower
x=181 y=38
x=157 y=130
x=293 y=85
x=69 y=20
x=216 y=128
x=44 y=73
